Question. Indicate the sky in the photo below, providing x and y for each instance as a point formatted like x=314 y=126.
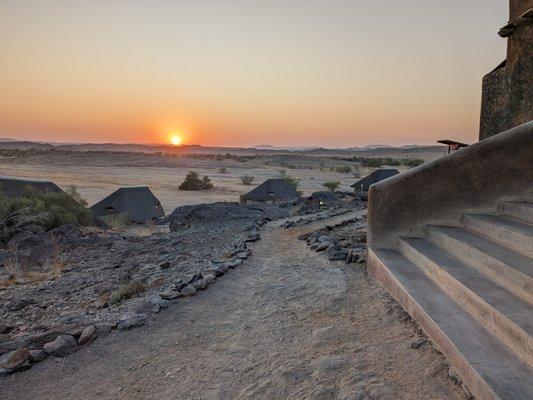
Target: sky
x=333 y=73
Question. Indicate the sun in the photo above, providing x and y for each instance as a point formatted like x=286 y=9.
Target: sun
x=175 y=139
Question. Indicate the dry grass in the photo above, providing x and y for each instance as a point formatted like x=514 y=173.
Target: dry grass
x=126 y=292
x=32 y=274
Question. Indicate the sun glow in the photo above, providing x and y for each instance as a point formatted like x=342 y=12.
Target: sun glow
x=175 y=139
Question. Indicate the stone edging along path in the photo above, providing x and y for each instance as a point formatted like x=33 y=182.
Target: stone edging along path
x=64 y=343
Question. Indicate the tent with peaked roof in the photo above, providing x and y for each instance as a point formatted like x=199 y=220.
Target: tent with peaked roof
x=271 y=191
x=137 y=203
x=374 y=177
x=15 y=187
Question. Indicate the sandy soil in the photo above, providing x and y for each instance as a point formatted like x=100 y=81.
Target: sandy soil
x=98 y=174
x=287 y=324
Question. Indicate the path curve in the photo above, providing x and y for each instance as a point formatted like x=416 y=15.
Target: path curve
x=287 y=324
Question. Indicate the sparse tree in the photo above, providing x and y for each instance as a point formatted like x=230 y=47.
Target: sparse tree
x=72 y=191
x=192 y=181
x=332 y=185
x=247 y=179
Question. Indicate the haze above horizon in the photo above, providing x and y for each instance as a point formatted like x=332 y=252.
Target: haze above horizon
x=239 y=73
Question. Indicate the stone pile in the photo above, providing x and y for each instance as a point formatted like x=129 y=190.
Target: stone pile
x=345 y=241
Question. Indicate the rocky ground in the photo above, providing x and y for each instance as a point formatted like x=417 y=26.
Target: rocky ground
x=76 y=285
x=287 y=324
x=344 y=241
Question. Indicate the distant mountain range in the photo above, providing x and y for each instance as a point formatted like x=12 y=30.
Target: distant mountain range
x=9 y=143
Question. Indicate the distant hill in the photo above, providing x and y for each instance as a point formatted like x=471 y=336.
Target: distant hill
x=410 y=151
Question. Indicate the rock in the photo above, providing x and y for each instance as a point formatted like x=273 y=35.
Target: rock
x=6 y=328
x=170 y=294
x=180 y=285
x=62 y=346
x=131 y=320
x=14 y=359
x=418 y=343
x=151 y=305
x=37 y=355
x=188 y=290
x=252 y=237
x=201 y=284
x=336 y=255
x=105 y=329
x=243 y=255
x=234 y=263
x=220 y=270
x=76 y=332
x=87 y=335
x=191 y=279
x=210 y=279
x=164 y=265
x=19 y=304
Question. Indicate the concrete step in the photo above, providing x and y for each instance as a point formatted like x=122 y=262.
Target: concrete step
x=522 y=210
x=489 y=369
x=509 y=317
x=510 y=269
x=510 y=232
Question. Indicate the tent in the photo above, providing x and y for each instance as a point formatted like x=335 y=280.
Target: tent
x=271 y=191
x=374 y=177
x=138 y=204
x=15 y=187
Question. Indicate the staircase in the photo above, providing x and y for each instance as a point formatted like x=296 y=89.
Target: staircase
x=470 y=287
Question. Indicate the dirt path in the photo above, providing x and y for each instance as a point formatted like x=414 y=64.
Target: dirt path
x=287 y=324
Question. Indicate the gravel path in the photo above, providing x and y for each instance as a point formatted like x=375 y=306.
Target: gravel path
x=287 y=324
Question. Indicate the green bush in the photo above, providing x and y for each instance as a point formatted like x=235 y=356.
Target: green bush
x=193 y=182
x=332 y=186
x=49 y=210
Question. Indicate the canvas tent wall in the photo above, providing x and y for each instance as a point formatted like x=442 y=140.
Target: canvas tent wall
x=138 y=204
x=374 y=177
x=271 y=191
x=15 y=187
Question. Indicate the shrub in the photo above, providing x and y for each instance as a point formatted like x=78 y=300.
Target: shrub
x=282 y=171
x=343 y=169
x=72 y=191
x=247 y=179
x=415 y=162
x=294 y=182
x=49 y=210
x=193 y=182
x=332 y=186
x=223 y=170
x=126 y=292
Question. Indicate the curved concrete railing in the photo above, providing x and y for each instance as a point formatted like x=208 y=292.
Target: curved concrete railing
x=472 y=179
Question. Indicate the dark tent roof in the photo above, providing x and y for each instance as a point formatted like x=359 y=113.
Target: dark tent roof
x=273 y=190
x=15 y=187
x=139 y=203
x=374 y=177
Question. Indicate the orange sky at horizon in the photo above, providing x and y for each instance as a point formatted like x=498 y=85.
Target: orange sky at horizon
x=243 y=73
